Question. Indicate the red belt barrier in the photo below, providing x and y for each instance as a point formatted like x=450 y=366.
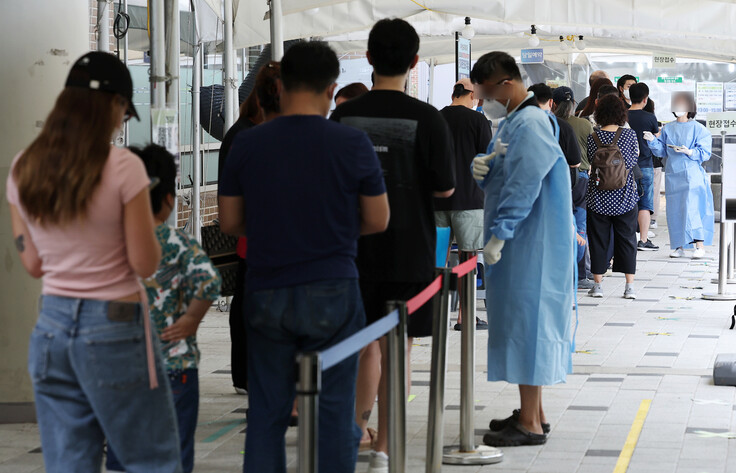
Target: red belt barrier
x=463 y=269
x=416 y=302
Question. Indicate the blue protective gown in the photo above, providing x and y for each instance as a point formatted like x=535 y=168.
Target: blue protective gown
x=690 y=213
x=530 y=291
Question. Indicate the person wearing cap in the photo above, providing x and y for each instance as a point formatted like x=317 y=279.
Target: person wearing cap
x=82 y=221
x=463 y=211
x=563 y=106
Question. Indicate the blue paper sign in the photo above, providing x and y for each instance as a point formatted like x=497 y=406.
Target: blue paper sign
x=532 y=56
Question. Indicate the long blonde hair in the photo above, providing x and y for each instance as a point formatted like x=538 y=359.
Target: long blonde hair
x=58 y=173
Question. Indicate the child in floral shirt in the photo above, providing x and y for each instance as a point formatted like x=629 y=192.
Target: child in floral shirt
x=179 y=294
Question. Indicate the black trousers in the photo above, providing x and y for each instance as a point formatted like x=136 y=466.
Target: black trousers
x=624 y=241
x=238 y=337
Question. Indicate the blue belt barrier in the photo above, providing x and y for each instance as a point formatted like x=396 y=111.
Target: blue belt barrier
x=357 y=341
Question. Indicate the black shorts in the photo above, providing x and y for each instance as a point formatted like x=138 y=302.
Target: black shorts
x=377 y=294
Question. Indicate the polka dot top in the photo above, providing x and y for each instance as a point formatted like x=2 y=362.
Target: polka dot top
x=619 y=201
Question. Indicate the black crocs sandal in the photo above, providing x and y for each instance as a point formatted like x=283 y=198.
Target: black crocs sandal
x=514 y=435
x=498 y=425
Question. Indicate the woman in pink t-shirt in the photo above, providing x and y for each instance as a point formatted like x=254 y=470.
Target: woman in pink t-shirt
x=82 y=221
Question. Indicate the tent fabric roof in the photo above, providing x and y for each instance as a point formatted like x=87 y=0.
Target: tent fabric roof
x=687 y=28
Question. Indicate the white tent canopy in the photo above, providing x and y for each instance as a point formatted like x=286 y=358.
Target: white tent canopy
x=687 y=28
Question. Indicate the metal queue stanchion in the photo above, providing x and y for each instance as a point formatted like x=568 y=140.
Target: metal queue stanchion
x=467 y=453
x=396 y=388
x=311 y=365
x=438 y=372
x=730 y=277
x=308 y=387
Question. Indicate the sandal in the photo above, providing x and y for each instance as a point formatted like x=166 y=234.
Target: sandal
x=498 y=425
x=366 y=445
x=514 y=435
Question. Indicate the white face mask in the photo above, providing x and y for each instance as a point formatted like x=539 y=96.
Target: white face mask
x=495 y=110
x=626 y=94
x=679 y=114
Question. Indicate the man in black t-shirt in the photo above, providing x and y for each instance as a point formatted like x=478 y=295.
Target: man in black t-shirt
x=643 y=122
x=463 y=211
x=414 y=145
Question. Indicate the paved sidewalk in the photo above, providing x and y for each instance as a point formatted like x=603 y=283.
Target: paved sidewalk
x=660 y=347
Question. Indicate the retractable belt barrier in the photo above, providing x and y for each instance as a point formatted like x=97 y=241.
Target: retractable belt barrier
x=467 y=453
x=310 y=366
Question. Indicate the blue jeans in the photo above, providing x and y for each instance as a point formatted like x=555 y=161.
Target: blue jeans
x=646 y=190
x=90 y=380
x=185 y=389
x=281 y=323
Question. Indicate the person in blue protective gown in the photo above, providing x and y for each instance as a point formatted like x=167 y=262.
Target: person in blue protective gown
x=687 y=145
x=530 y=249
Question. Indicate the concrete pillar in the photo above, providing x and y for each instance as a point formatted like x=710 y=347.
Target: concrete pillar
x=42 y=39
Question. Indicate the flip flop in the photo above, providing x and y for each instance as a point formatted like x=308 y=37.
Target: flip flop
x=366 y=445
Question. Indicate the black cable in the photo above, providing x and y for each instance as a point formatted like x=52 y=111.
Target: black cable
x=121 y=23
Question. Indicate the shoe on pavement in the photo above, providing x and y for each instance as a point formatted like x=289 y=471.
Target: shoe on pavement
x=651 y=234
x=596 y=291
x=699 y=253
x=378 y=463
x=498 y=425
x=648 y=246
x=514 y=435
x=240 y=391
x=678 y=253
x=585 y=284
x=653 y=224
x=629 y=293
x=480 y=324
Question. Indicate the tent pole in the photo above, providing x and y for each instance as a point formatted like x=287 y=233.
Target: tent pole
x=158 y=61
x=227 y=57
x=172 y=37
x=126 y=127
x=196 y=141
x=196 y=131
x=103 y=26
x=430 y=94
x=277 y=32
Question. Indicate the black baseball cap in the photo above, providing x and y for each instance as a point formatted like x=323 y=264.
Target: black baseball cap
x=562 y=94
x=102 y=71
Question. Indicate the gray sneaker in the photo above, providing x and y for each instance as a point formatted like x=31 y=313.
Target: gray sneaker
x=596 y=291
x=585 y=284
x=629 y=293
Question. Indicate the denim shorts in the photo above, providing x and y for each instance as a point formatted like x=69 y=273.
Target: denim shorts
x=646 y=190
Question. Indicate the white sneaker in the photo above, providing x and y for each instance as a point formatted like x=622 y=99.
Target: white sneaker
x=378 y=463
x=653 y=224
x=651 y=235
x=699 y=253
x=678 y=253
x=240 y=391
x=629 y=293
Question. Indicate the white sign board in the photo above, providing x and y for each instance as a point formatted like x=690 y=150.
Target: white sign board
x=709 y=97
x=663 y=61
x=724 y=121
x=730 y=96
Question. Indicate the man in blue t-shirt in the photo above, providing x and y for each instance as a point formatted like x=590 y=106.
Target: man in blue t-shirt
x=303 y=189
x=642 y=121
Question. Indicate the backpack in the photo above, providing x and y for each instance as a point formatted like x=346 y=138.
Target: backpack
x=608 y=168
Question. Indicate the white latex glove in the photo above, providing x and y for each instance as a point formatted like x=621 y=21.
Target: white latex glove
x=684 y=150
x=649 y=136
x=481 y=166
x=500 y=147
x=492 y=251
